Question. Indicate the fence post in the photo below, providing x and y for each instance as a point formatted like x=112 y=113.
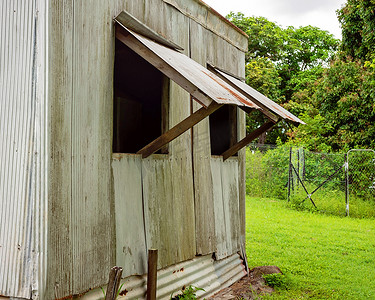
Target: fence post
x=152 y=274
x=290 y=170
x=113 y=283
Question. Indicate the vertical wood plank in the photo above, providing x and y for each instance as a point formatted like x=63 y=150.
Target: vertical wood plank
x=131 y=251
x=159 y=209
x=229 y=179
x=180 y=149
x=231 y=59
x=203 y=187
x=220 y=211
x=92 y=219
x=59 y=259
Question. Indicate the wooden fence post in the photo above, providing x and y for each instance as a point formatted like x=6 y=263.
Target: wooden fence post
x=113 y=283
x=152 y=274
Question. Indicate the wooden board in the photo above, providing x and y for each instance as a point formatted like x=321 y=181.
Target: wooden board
x=231 y=59
x=59 y=258
x=229 y=179
x=159 y=209
x=92 y=217
x=131 y=251
x=226 y=205
x=221 y=229
x=203 y=187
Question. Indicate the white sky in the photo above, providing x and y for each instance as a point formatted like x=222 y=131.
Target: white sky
x=319 y=13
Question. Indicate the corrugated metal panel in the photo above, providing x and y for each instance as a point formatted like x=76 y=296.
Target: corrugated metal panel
x=203 y=272
x=260 y=99
x=190 y=75
x=22 y=150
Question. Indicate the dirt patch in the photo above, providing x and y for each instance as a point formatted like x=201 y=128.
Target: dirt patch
x=250 y=286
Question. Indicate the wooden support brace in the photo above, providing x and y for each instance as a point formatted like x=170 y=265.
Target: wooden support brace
x=179 y=129
x=250 y=137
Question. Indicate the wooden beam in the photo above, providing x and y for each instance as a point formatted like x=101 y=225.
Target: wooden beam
x=250 y=137
x=179 y=129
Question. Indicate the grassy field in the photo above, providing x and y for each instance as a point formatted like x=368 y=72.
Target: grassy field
x=322 y=257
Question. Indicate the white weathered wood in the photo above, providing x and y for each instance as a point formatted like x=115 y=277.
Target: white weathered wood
x=229 y=179
x=221 y=249
x=91 y=111
x=159 y=213
x=204 y=214
x=130 y=228
x=59 y=259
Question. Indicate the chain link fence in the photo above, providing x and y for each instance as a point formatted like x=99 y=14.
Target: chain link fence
x=327 y=182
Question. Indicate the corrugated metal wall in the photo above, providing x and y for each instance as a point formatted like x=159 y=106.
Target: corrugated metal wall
x=96 y=218
x=22 y=147
x=202 y=271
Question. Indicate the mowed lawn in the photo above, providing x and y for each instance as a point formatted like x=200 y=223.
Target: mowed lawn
x=322 y=257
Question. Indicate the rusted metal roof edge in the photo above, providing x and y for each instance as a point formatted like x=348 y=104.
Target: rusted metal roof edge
x=259 y=98
x=178 y=76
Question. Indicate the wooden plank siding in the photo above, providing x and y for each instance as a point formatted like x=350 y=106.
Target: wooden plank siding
x=92 y=231
x=229 y=58
x=59 y=259
x=131 y=250
x=203 y=187
x=95 y=213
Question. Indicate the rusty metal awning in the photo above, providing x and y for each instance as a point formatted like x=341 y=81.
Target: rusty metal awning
x=261 y=100
x=211 y=88
x=201 y=83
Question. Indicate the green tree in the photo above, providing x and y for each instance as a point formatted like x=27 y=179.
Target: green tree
x=357 y=20
x=280 y=61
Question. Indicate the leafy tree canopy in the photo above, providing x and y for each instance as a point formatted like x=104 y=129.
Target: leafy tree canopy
x=357 y=20
x=282 y=60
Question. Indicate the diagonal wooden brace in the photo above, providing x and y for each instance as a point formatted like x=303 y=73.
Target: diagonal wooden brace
x=179 y=129
x=245 y=141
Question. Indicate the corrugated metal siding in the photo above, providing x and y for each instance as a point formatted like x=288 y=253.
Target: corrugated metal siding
x=81 y=215
x=203 y=272
x=22 y=150
x=85 y=198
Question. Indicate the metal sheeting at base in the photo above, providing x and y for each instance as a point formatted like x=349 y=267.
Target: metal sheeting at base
x=203 y=272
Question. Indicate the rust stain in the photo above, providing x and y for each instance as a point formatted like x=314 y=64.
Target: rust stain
x=177 y=271
x=238 y=96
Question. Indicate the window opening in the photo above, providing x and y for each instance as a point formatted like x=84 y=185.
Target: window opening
x=223 y=129
x=141 y=94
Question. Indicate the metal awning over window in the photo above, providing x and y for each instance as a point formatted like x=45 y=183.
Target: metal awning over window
x=209 y=89
x=258 y=98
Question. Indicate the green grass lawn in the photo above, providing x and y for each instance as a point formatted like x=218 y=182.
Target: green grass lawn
x=322 y=257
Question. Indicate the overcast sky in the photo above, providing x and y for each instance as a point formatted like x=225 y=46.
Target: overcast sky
x=319 y=13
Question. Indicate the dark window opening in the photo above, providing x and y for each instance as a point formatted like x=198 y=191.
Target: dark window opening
x=223 y=129
x=140 y=102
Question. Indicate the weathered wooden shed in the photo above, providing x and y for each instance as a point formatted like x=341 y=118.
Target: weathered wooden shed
x=122 y=125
